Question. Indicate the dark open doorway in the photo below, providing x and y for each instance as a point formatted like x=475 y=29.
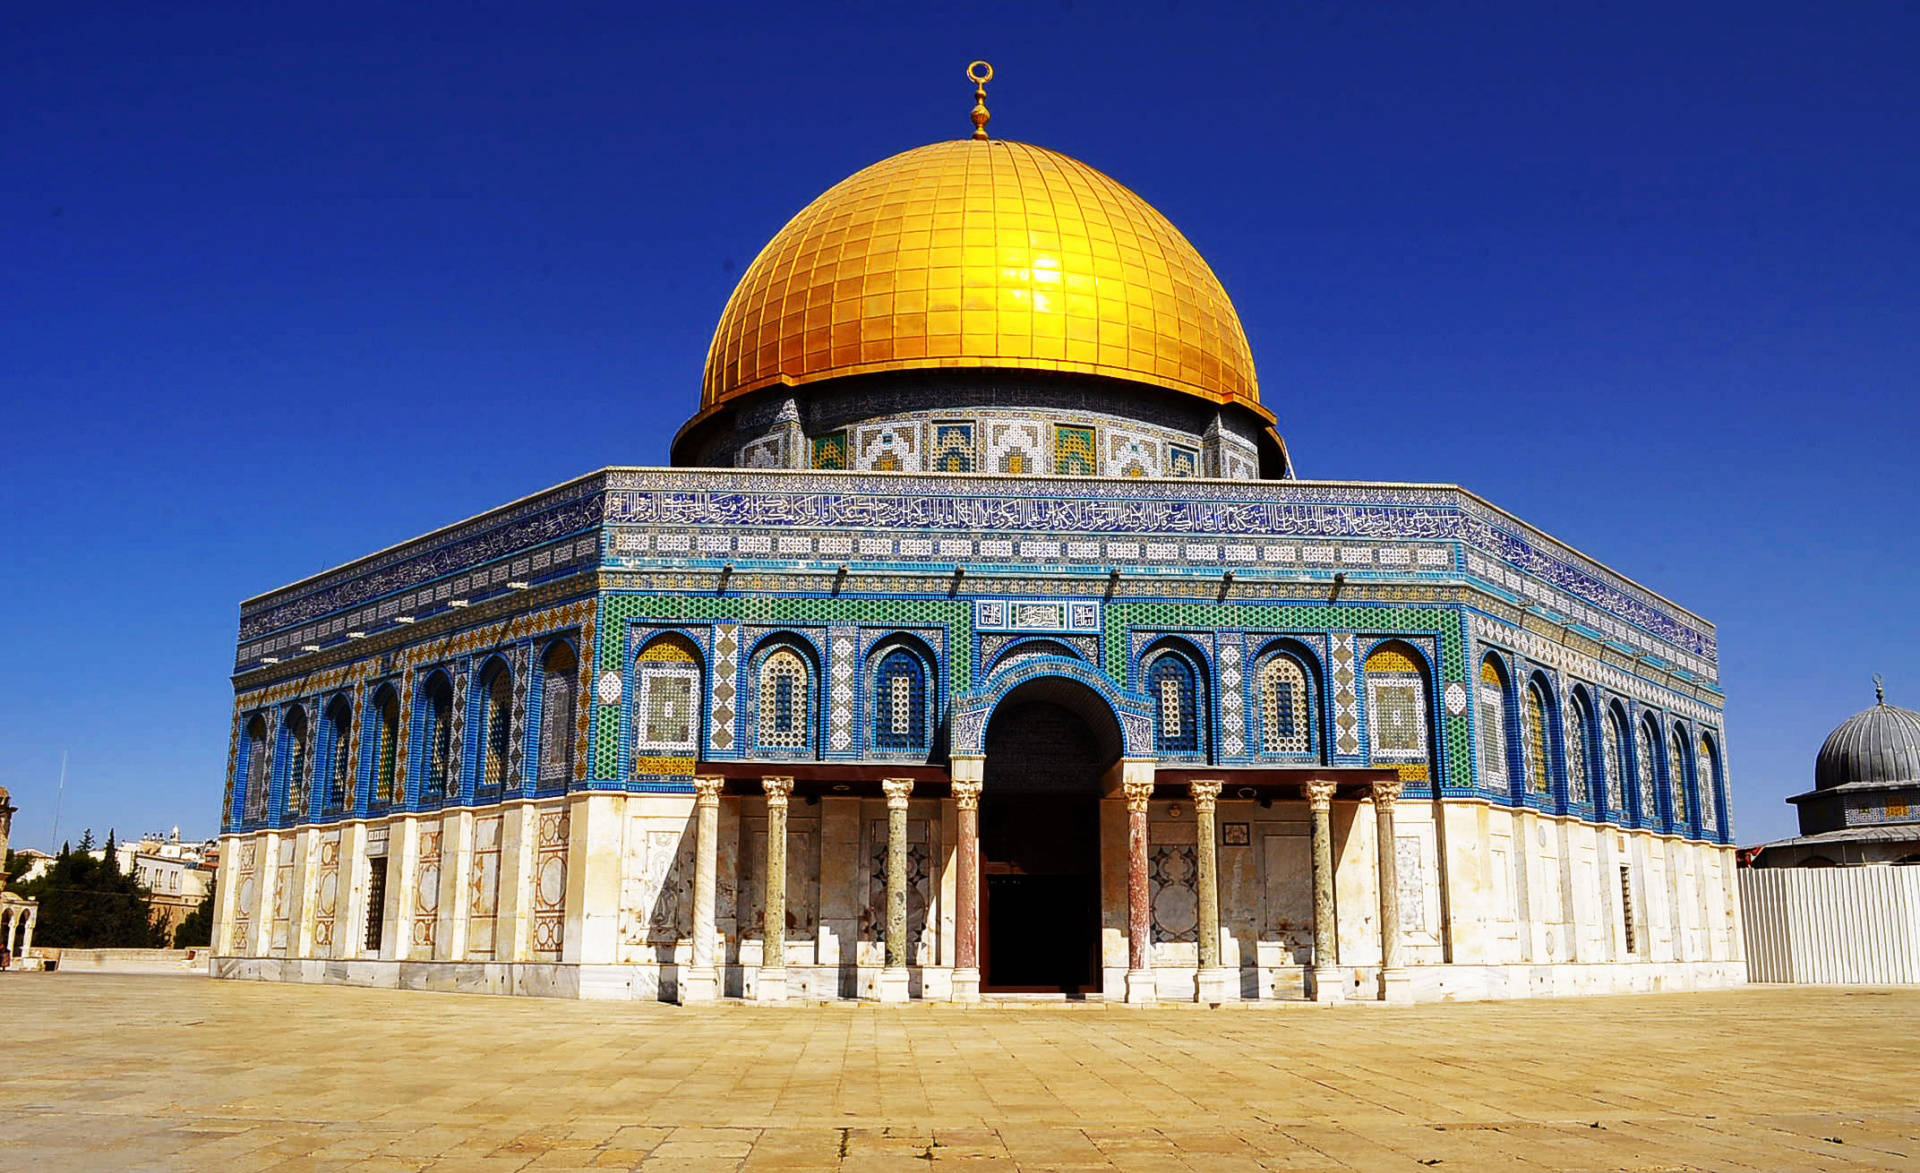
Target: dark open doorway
x=1040 y=842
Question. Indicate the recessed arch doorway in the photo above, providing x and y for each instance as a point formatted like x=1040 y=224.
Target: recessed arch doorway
x=1049 y=745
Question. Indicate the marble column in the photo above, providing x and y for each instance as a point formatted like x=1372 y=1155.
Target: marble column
x=893 y=977
x=701 y=983
x=966 y=971
x=1140 y=988
x=1328 y=983
x=1212 y=983
x=1395 y=985
x=26 y=941
x=771 y=985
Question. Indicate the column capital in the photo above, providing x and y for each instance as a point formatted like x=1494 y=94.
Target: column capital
x=966 y=793
x=1386 y=793
x=1320 y=793
x=1205 y=792
x=777 y=790
x=897 y=791
x=706 y=791
x=1138 y=792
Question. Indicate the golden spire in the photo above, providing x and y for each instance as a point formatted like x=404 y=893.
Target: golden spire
x=980 y=73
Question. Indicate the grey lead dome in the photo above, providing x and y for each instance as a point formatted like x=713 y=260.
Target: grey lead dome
x=1880 y=744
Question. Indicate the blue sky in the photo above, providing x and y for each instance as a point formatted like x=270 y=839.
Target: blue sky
x=286 y=284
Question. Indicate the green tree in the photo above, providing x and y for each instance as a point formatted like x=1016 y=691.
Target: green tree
x=196 y=928
x=88 y=903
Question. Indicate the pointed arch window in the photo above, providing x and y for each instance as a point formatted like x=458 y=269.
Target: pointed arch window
x=784 y=707
x=436 y=726
x=1677 y=777
x=1539 y=761
x=1173 y=685
x=496 y=725
x=1397 y=710
x=557 y=690
x=1286 y=720
x=1707 y=763
x=299 y=742
x=1614 y=760
x=1647 y=770
x=1579 y=731
x=667 y=708
x=339 y=762
x=900 y=702
x=1493 y=725
x=254 y=805
x=383 y=744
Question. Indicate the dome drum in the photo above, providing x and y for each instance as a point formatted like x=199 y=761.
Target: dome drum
x=985 y=421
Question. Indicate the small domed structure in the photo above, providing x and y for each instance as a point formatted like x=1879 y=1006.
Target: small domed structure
x=1876 y=745
x=1865 y=803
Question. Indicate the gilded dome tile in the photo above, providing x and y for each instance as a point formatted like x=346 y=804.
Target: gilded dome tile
x=984 y=254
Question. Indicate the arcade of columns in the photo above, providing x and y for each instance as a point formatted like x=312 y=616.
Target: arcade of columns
x=16 y=927
x=702 y=981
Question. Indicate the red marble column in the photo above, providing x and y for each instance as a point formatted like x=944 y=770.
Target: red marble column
x=966 y=960
x=1139 y=915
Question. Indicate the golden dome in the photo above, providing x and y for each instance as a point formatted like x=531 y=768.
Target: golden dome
x=981 y=254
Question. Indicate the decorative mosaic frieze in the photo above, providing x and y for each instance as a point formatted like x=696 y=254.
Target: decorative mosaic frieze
x=1036 y=615
x=1346 y=706
x=840 y=682
x=766 y=452
x=999 y=649
x=726 y=651
x=1130 y=453
x=1233 y=739
x=1015 y=447
x=1564 y=659
x=517 y=729
x=1251 y=514
x=888 y=447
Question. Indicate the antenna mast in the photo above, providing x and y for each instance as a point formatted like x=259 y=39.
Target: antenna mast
x=58 y=795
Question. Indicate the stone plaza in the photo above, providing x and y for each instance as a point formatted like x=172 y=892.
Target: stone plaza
x=125 y=1072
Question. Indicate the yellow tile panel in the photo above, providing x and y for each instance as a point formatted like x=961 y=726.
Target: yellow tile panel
x=980 y=254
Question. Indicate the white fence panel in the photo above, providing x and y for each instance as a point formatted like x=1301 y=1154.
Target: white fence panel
x=1857 y=925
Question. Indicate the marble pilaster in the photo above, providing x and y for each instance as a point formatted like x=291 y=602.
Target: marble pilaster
x=966 y=972
x=702 y=980
x=771 y=983
x=1328 y=983
x=1395 y=984
x=893 y=978
x=1212 y=984
x=1140 y=987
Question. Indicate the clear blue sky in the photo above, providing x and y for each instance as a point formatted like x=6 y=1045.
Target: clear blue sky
x=284 y=284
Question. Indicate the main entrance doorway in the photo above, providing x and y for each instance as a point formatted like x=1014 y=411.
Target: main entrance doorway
x=1040 y=845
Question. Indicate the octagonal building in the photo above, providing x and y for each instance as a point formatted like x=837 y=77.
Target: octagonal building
x=980 y=640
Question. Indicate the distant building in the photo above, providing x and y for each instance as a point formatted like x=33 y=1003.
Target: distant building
x=18 y=914
x=176 y=875
x=1864 y=807
x=39 y=863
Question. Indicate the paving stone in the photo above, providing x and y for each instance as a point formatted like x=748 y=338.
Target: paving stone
x=305 y=1079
